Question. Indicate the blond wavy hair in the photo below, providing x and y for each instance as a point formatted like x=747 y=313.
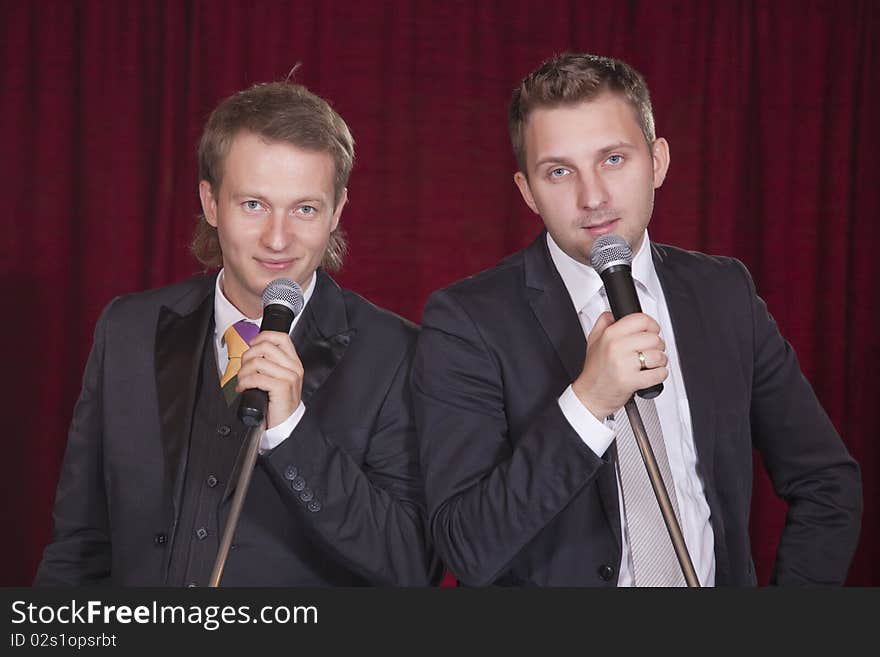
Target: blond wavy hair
x=278 y=112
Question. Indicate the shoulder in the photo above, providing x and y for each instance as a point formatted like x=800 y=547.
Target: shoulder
x=128 y=324
x=699 y=263
x=363 y=315
x=503 y=277
x=701 y=268
x=488 y=293
x=182 y=297
x=481 y=308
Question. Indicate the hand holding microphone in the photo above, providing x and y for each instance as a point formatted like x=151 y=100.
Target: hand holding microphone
x=628 y=356
x=271 y=374
x=270 y=379
x=625 y=356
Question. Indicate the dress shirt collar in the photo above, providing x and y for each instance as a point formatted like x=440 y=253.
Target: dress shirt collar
x=226 y=314
x=583 y=283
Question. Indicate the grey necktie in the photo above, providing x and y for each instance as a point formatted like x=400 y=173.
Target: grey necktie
x=653 y=557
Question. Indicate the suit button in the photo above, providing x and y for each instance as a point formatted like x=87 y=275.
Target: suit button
x=307 y=495
x=314 y=506
x=211 y=481
x=298 y=484
x=201 y=533
x=290 y=473
x=224 y=429
x=606 y=572
x=160 y=539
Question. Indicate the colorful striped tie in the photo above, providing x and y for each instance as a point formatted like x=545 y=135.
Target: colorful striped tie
x=238 y=339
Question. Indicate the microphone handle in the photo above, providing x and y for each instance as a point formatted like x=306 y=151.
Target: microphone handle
x=622 y=297
x=254 y=402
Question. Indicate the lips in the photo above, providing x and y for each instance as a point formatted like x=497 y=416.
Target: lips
x=602 y=228
x=275 y=265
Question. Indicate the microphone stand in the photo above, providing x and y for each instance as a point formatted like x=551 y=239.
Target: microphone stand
x=282 y=301
x=255 y=432
x=611 y=257
x=672 y=526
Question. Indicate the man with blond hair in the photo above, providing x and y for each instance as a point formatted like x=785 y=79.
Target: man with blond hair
x=155 y=446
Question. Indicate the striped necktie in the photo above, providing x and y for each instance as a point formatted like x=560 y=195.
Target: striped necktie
x=653 y=557
x=238 y=339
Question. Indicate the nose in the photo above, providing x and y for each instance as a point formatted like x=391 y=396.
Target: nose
x=276 y=231
x=592 y=191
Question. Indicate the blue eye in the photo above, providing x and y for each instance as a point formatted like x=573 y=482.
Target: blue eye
x=559 y=172
x=251 y=205
x=614 y=160
x=308 y=210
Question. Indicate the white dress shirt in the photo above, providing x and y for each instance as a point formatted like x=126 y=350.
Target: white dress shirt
x=588 y=296
x=225 y=315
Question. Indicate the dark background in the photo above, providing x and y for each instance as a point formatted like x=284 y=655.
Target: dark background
x=770 y=108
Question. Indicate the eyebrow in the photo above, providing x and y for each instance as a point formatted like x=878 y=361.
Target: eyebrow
x=553 y=159
x=618 y=146
x=244 y=195
x=260 y=197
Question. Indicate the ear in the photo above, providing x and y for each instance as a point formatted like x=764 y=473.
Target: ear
x=660 y=155
x=209 y=203
x=523 y=184
x=337 y=212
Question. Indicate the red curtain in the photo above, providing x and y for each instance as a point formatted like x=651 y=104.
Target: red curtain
x=770 y=108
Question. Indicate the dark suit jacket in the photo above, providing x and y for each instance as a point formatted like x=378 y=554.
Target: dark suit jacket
x=515 y=496
x=355 y=447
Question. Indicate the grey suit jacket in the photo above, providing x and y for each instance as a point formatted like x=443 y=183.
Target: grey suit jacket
x=514 y=495
x=119 y=495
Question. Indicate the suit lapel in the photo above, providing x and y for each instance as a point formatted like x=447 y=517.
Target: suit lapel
x=322 y=335
x=180 y=341
x=696 y=356
x=553 y=309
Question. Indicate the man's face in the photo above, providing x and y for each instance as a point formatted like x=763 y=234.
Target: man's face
x=274 y=212
x=591 y=172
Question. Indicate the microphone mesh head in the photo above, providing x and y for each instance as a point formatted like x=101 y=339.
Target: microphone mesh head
x=286 y=292
x=610 y=249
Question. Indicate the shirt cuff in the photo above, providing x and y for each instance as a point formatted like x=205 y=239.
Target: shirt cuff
x=278 y=434
x=595 y=434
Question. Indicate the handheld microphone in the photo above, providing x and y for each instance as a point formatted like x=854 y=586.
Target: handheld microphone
x=282 y=301
x=611 y=257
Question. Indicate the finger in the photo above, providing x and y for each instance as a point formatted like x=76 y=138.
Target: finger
x=272 y=336
x=268 y=368
x=274 y=353
x=635 y=323
x=278 y=340
x=283 y=397
x=651 y=377
x=605 y=320
x=638 y=342
x=276 y=388
x=281 y=340
x=653 y=359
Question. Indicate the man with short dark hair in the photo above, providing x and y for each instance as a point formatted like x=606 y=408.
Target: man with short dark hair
x=155 y=446
x=532 y=473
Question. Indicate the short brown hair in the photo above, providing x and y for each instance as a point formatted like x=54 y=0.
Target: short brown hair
x=568 y=79
x=278 y=112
